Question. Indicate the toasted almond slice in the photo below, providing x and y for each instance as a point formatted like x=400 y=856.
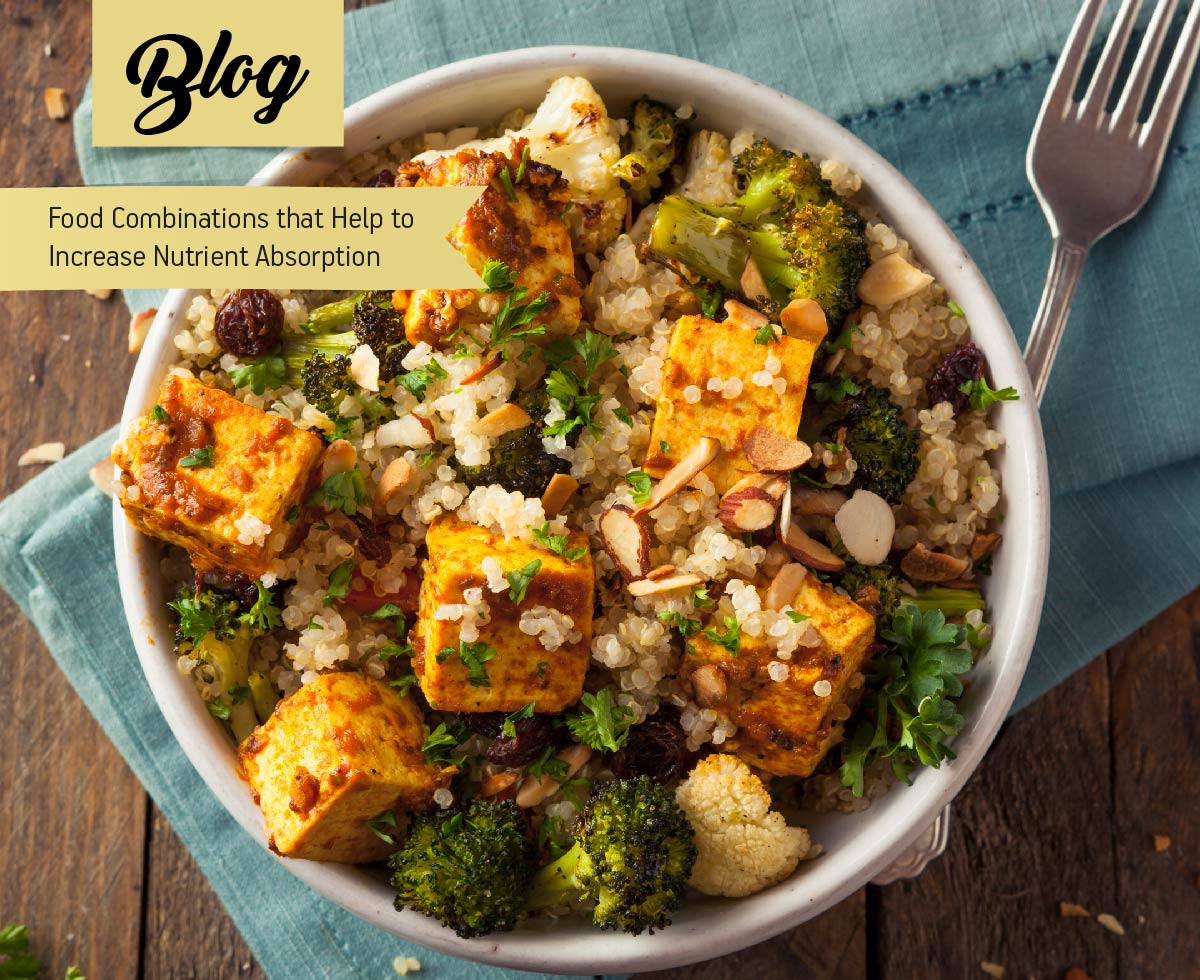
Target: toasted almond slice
x=57 y=106
x=364 y=368
x=534 y=789
x=139 y=326
x=891 y=279
x=708 y=685
x=99 y=293
x=506 y=418
x=784 y=586
x=104 y=477
x=1111 y=923
x=661 y=572
x=679 y=475
x=754 y=286
x=810 y=551
x=771 y=452
x=867 y=526
x=804 y=319
x=772 y=483
x=396 y=476
x=47 y=452
x=559 y=490
x=497 y=783
x=672 y=583
x=815 y=502
x=983 y=545
x=785 y=512
x=484 y=369
x=743 y=315
x=922 y=565
x=1069 y=910
x=627 y=541
x=748 y=509
x=339 y=457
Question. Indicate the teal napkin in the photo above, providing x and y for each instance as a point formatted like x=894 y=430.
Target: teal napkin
x=948 y=92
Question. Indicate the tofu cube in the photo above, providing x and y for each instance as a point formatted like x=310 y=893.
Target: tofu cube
x=339 y=752
x=785 y=727
x=521 y=668
x=215 y=476
x=701 y=349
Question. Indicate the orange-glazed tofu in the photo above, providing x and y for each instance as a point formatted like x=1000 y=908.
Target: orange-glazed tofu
x=214 y=475
x=339 y=752
x=702 y=349
x=786 y=726
x=524 y=651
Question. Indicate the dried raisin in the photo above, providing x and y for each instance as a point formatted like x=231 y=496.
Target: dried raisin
x=249 y=322
x=963 y=364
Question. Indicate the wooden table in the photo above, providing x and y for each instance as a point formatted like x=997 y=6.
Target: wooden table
x=1065 y=808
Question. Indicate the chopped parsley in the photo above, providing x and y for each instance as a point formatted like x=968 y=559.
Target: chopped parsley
x=519 y=579
x=685 y=626
x=766 y=334
x=160 y=415
x=219 y=709
x=640 y=481
x=549 y=765
x=442 y=741
x=702 y=600
x=843 y=340
x=796 y=617
x=710 y=296
x=239 y=693
x=571 y=389
x=835 y=389
x=417 y=380
x=402 y=685
x=600 y=722
x=207 y=613
x=383 y=825
x=624 y=416
x=730 y=638
x=557 y=543
x=473 y=656
x=264 y=614
x=982 y=397
x=954 y=308
x=664 y=447
x=339 y=582
x=542 y=667
x=509 y=725
x=497 y=276
x=262 y=374
x=198 y=458
x=343 y=491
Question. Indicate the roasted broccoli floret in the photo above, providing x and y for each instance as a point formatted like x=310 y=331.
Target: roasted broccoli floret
x=655 y=138
x=875 y=588
x=519 y=461
x=806 y=241
x=883 y=446
x=381 y=327
x=466 y=868
x=633 y=854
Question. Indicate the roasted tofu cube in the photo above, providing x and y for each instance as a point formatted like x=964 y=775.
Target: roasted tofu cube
x=214 y=475
x=785 y=727
x=339 y=752
x=505 y=667
x=702 y=349
x=518 y=222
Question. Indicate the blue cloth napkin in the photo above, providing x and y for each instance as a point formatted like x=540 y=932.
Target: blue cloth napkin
x=948 y=92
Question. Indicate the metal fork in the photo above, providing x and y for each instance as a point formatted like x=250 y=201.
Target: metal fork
x=1091 y=169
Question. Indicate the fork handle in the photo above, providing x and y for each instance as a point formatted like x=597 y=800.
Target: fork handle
x=1066 y=264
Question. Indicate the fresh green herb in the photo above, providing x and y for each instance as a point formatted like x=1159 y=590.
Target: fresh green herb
x=954 y=308
x=509 y=725
x=542 y=667
x=664 y=447
x=797 y=617
x=389 y=610
x=702 y=600
x=640 y=481
x=293 y=514
x=909 y=712
x=835 y=389
x=982 y=397
x=730 y=638
x=834 y=447
x=198 y=458
x=497 y=276
x=442 y=741
x=417 y=380
x=686 y=626
x=391 y=650
x=238 y=694
x=624 y=416
x=600 y=722
x=159 y=414
x=262 y=374
x=343 y=427
x=264 y=614
x=219 y=709
x=932 y=503
x=844 y=339
x=205 y=613
x=766 y=334
x=572 y=390
x=523 y=164
x=557 y=543
x=506 y=179
x=549 y=765
x=473 y=656
x=383 y=826
x=512 y=322
x=519 y=579
x=339 y=582
x=426 y=458
x=402 y=685
x=550 y=836
x=343 y=491
x=710 y=295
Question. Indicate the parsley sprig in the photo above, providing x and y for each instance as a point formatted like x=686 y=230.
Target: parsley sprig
x=264 y=373
x=509 y=726
x=519 y=579
x=473 y=656
x=346 y=492
x=982 y=397
x=199 y=458
x=442 y=741
x=834 y=389
x=571 y=389
x=557 y=543
x=730 y=638
x=600 y=722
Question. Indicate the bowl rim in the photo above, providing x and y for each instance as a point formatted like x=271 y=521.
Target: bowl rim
x=578 y=948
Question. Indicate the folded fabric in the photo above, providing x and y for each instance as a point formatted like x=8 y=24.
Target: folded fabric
x=948 y=93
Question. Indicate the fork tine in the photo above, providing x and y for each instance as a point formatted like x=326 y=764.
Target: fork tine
x=1070 y=62
x=1125 y=114
x=1175 y=82
x=1110 y=60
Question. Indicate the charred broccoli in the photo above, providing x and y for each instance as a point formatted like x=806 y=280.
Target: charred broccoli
x=519 y=461
x=875 y=588
x=632 y=857
x=806 y=241
x=381 y=327
x=883 y=446
x=466 y=868
x=653 y=143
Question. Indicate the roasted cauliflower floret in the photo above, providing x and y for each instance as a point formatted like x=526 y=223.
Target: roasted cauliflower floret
x=742 y=845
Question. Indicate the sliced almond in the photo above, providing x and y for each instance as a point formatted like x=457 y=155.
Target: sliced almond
x=339 y=457
x=396 y=476
x=104 y=477
x=890 y=280
x=47 y=452
x=484 y=369
x=772 y=452
x=804 y=319
x=409 y=431
x=507 y=418
x=559 y=490
x=743 y=315
x=810 y=551
x=816 y=502
x=659 y=586
x=708 y=686
x=661 y=572
x=679 y=475
x=983 y=545
x=497 y=783
x=754 y=286
x=364 y=368
x=922 y=565
x=57 y=106
x=748 y=509
x=627 y=541
x=534 y=789
x=867 y=526
x=139 y=326
x=784 y=586
x=100 y=294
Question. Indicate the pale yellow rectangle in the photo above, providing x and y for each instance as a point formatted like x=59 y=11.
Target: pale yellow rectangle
x=260 y=30
x=405 y=227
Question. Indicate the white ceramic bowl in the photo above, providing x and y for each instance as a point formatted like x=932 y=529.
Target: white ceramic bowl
x=856 y=847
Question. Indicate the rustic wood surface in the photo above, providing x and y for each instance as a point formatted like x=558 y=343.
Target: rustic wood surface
x=1065 y=808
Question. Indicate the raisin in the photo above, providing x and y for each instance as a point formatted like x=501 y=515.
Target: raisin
x=385 y=178
x=963 y=364
x=249 y=322
x=532 y=735
x=485 y=723
x=655 y=748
